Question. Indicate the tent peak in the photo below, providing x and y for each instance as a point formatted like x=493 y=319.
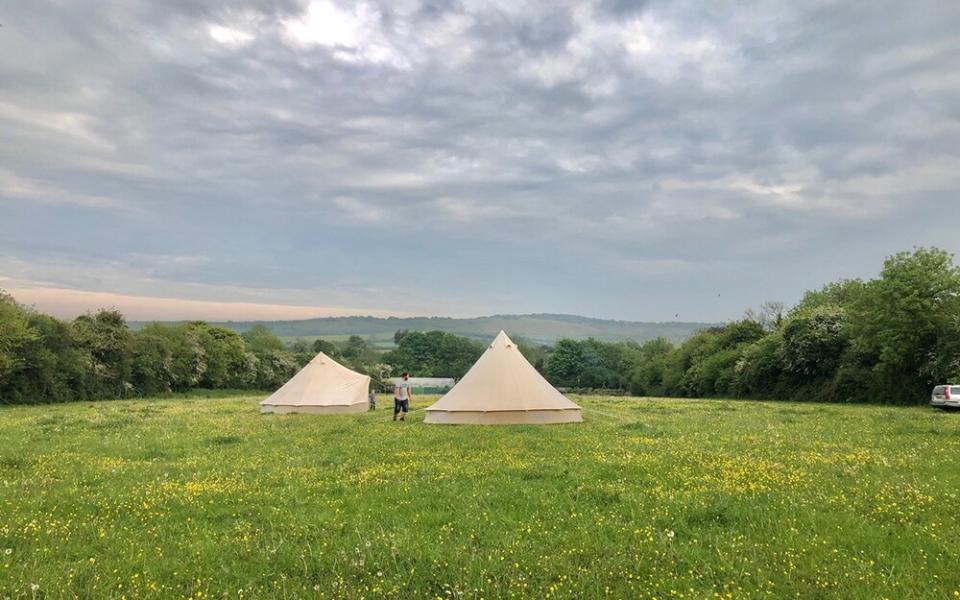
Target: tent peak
x=502 y=341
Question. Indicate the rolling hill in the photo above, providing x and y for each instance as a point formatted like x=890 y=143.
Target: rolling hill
x=536 y=328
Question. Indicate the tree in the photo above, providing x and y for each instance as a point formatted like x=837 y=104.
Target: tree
x=108 y=340
x=354 y=347
x=647 y=375
x=273 y=368
x=565 y=367
x=299 y=346
x=223 y=351
x=16 y=335
x=259 y=340
x=39 y=361
x=840 y=293
x=173 y=354
x=906 y=323
x=379 y=375
x=814 y=341
x=769 y=316
x=759 y=370
x=590 y=363
x=434 y=354
x=327 y=347
x=536 y=354
x=152 y=362
x=706 y=364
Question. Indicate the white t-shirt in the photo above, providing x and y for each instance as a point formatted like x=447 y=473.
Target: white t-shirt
x=402 y=391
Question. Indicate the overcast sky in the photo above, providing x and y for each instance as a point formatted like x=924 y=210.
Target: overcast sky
x=633 y=160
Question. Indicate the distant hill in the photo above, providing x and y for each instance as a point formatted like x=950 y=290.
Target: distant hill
x=536 y=328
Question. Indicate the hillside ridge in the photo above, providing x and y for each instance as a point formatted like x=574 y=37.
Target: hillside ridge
x=543 y=328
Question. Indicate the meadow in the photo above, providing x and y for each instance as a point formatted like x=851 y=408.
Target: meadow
x=204 y=497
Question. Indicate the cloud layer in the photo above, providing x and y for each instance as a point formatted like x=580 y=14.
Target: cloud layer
x=611 y=158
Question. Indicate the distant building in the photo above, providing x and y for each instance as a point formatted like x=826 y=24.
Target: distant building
x=428 y=385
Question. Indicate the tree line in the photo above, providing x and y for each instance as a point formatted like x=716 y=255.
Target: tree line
x=888 y=339
x=97 y=356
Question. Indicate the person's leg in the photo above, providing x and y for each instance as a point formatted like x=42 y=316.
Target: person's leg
x=396 y=408
x=405 y=406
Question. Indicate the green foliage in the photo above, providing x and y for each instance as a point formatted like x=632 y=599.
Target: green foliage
x=272 y=368
x=299 y=346
x=38 y=359
x=357 y=353
x=43 y=359
x=152 y=369
x=379 y=375
x=536 y=328
x=15 y=335
x=327 y=347
x=260 y=340
x=566 y=364
x=591 y=363
x=108 y=343
x=840 y=293
x=707 y=363
x=225 y=355
x=886 y=340
x=647 y=377
x=907 y=322
x=814 y=340
x=434 y=354
x=759 y=371
x=536 y=354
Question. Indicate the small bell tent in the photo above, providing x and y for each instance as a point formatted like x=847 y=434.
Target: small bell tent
x=324 y=386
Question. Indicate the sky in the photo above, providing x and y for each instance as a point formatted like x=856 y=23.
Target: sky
x=650 y=161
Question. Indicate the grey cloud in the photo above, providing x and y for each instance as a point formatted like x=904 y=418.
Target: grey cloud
x=567 y=158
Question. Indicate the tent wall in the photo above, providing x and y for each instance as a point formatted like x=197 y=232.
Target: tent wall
x=504 y=417
x=281 y=409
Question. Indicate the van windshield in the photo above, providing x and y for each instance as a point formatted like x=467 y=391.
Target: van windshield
x=939 y=390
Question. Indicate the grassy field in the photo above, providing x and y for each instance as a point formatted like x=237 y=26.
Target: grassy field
x=206 y=498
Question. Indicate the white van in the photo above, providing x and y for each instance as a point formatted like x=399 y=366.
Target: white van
x=945 y=396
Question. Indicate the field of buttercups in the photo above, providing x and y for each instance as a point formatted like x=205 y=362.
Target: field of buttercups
x=648 y=498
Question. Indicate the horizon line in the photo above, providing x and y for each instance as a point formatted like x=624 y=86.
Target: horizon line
x=69 y=303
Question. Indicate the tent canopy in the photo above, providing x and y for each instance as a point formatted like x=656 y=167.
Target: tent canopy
x=502 y=387
x=323 y=386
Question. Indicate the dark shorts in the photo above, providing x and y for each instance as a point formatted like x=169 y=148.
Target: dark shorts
x=401 y=405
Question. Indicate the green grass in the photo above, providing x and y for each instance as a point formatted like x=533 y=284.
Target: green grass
x=647 y=498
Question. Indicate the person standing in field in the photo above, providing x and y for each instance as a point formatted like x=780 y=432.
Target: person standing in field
x=402 y=393
x=372 y=399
